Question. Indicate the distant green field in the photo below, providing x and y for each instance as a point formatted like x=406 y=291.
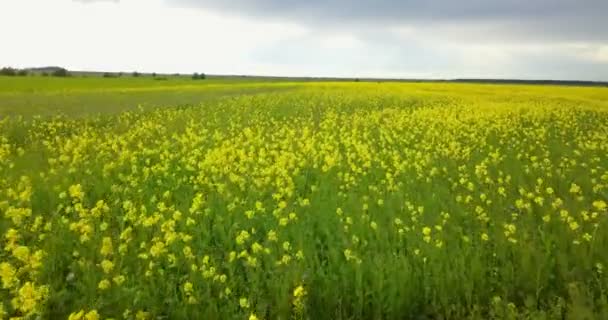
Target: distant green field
x=80 y=96
x=77 y=96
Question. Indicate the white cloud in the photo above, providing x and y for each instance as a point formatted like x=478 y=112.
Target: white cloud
x=131 y=35
x=602 y=54
x=149 y=36
x=597 y=53
x=339 y=41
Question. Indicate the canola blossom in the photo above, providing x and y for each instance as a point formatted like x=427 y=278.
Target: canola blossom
x=324 y=201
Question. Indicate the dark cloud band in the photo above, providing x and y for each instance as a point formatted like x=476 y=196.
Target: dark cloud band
x=566 y=20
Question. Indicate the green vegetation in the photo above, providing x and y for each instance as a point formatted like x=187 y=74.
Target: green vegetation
x=197 y=76
x=11 y=72
x=272 y=200
x=60 y=72
x=76 y=96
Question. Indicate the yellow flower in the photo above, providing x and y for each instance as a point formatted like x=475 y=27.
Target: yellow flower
x=575 y=189
x=119 y=279
x=300 y=255
x=485 y=237
x=76 y=315
x=29 y=296
x=107 y=266
x=587 y=237
x=8 y=274
x=75 y=192
x=599 y=205
x=573 y=225
x=242 y=237
x=92 y=315
x=348 y=254
x=259 y=206
x=299 y=296
x=104 y=284
x=188 y=287
x=106 y=246
x=256 y=247
x=426 y=231
x=244 y=303
x=339 y=211
x=272 y=235
x=22 y=253
x=299 y=292
x=157 y=249
x=142 y=315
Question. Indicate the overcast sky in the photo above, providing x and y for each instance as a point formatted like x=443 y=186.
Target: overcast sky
x=526 y=39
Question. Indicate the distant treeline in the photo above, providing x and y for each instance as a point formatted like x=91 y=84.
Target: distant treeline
x=380 y=80
x=199 y=76
x=50 y=71
x=544 y=82
x=62 y=72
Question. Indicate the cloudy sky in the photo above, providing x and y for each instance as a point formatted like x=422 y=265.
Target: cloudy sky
x=527 y=39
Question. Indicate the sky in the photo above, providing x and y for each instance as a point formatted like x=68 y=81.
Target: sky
x=437 y=39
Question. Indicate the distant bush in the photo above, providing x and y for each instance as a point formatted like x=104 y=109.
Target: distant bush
x=61 y=72
x=153 y=74
x=109 y=75
x=135 y=74
x=197 y=76
x=8 y=71
x=22 y=73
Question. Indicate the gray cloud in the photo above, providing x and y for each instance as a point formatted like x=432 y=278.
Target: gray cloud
x=390 y=56
x=556 y=20
x=559 y=39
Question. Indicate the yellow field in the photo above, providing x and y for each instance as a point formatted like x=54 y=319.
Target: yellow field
x=318 y=201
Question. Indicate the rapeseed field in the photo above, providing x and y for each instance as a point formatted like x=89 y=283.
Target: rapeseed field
x=324 y=201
